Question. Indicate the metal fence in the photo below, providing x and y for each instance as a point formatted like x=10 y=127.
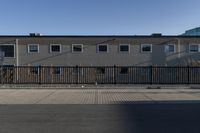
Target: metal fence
x=99 y=75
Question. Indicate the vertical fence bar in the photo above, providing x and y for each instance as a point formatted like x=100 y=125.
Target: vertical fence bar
x=115 y=78
x=151 y=74
x=77 y=74
x=188 y=68
x=40 y=75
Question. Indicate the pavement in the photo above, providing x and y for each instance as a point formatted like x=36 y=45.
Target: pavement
x=96 y=96
x=99 y=111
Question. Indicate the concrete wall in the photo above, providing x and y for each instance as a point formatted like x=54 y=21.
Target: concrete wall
x=90 y=56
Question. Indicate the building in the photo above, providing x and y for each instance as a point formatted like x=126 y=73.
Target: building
x=156 y=50
x=193 y=32
x=100 y=59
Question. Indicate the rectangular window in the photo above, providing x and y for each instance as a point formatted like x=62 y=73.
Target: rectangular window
x=170 y=48
x=33 y=48
x=56 y=71
x=146 y=48
x=124 y=70
x=7 y=50
x=55 y=48
x=102 y=48
x=124 y=47
x=194 y=48
x=77 y=48
x=34 y=70
x=100 y=70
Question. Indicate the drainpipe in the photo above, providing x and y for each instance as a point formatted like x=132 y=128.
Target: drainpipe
x=179 y=49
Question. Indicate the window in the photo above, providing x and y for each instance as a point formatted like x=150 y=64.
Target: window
x=124 y=47
x=77 y=48
x=100 y=70
x=55 y=48
x=34 y=70
x=78 y=71
x=170 y=48
x=56 y=71
x=102 y=48
x=146 y=47
x=33 y=48
x=124 y=70
x=194 y=48
x=8 y=50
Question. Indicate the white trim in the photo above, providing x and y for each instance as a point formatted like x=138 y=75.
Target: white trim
x=55 y=45
x=170 y=51
x=124 y=45
x=146 y=51
x=14 y=50
x=77 y=45
x=102 y=51
x=38 y=49
x=193 y=51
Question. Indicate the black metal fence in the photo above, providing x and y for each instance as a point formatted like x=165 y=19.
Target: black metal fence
x=99 y=75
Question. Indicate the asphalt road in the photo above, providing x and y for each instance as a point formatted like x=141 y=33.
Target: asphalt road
x=140 y=117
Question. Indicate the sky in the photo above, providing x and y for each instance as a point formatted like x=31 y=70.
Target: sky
x=98 y=17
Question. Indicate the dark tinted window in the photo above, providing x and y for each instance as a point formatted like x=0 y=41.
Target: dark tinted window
x=102 y=48
x=8 y=50
x=124 y=70
x=57 y=70
x=55 y=48
x=77 y=48
x=100 y=70
x=124 y=48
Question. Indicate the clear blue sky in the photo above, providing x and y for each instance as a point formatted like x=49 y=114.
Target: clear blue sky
x=98 y=17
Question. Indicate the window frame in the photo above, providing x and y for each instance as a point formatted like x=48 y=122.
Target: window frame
x=38 y=49
x=146 y=51
x=124 y=45
x=55 y=45
x=102 y=51
x=13 y=47
x=193 y=51
x=77 y=51
x=170 y=51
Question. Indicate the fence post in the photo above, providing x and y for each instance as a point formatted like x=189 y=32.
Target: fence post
x=115 y=78
x=40 y=75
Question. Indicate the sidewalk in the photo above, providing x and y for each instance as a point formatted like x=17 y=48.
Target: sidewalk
x=96 y=96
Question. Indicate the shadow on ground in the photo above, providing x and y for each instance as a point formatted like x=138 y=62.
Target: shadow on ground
x=138 y=117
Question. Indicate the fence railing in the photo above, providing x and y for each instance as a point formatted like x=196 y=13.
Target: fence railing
x=99 y=75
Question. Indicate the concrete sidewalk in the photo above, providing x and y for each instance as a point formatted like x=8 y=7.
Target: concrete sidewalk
x=96 y=96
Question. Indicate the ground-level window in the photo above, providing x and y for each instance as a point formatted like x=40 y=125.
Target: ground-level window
x=100 y=70
x=194 y=48
x=7 y=50
x=56 y=70
x=34 y=70
x=124 y=47
x=33 y=48
x=55 y=48
x=146 y=47
x=102 y=48
x=124 y=70
x=170 y=48
x=77 y=48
